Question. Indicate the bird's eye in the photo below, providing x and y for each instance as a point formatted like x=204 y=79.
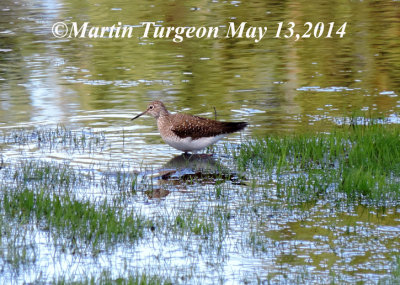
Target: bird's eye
x=151 y=107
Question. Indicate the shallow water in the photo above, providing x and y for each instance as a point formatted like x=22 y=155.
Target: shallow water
x=277 y=85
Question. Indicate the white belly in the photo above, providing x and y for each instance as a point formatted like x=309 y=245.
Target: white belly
x=187 y=144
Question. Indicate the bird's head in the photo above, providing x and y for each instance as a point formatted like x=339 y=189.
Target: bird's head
x=155 y=109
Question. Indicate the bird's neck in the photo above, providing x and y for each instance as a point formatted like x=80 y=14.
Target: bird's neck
x=163 y=113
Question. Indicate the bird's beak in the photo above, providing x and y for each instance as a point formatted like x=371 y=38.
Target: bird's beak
x=141 y=114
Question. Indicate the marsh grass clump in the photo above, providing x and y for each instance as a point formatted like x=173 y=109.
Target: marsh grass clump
x=44 y=174
x=210 y=224
x=49 y=139
x=362 y=161
x=17 y=247
x=106 y=277
x=121 y=180
x=82 y=224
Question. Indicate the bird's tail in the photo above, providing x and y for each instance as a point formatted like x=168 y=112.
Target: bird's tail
x=231 y=127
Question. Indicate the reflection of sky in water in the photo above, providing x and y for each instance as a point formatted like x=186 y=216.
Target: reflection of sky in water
x=45 y=100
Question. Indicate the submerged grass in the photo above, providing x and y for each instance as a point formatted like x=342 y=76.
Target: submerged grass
x=88 y=212
x=33 y=174
x=17 y=247
x=362 y=161
x=79 y=222
x=395 y=273
x=106 y=278
x=46 y=195
x=85 y=141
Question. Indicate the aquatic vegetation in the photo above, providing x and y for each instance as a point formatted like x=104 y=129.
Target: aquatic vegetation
x=362 y=161
x=106 y=277
x=76 y=221
x=51 y=139
x=294 y=201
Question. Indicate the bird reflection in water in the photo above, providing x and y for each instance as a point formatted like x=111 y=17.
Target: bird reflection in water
x=187 y=169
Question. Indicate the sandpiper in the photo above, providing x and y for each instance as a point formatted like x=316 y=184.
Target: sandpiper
x=186 y=132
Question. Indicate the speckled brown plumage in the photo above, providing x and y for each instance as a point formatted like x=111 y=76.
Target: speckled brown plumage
x=186 y=132
x=185 y=125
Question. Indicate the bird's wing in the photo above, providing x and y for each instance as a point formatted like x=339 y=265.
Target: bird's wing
x=185 y=125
